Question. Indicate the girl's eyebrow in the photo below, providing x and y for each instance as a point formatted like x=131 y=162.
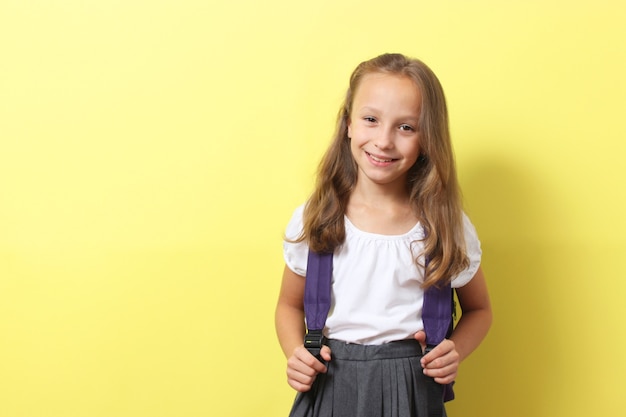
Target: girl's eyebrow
x=369 y=109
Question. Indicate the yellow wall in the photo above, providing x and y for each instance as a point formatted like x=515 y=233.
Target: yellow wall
x=152 y=152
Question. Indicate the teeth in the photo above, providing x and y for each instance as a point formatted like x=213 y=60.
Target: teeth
x=380 y=160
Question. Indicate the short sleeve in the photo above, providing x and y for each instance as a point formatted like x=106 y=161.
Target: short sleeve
x=295 y=254
x=474 y=253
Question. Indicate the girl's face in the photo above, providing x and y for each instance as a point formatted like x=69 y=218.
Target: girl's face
x=383 y=128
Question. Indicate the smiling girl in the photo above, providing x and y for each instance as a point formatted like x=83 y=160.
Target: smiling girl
x=387 y=206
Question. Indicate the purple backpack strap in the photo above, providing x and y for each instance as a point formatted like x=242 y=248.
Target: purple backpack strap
x=437 y=318
x=317 y=299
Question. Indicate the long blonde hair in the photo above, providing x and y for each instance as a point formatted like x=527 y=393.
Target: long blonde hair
x=432 y=182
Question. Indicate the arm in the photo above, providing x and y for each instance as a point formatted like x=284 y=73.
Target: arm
x=442 y=362
x=302 y=367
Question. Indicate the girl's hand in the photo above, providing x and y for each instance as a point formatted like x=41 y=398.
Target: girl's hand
x=302 y=368
x=441 y=363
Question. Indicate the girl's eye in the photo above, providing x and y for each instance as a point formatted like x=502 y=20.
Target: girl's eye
x=407 y=128
x=369 y=119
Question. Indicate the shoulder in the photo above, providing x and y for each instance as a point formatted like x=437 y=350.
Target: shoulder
x=473 y=251
x=471 y=235
x=295 y=253
x=294 y=227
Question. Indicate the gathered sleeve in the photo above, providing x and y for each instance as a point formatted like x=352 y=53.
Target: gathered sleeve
x=295 y=254
x=474 y=253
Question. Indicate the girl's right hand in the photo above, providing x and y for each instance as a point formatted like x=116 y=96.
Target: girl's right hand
x=302 y=368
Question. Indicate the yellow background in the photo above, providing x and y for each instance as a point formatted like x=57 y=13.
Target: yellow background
x=152 y=152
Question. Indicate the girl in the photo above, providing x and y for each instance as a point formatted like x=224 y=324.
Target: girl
x=386 y=200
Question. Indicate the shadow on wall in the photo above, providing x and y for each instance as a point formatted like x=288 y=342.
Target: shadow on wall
x=504 y=376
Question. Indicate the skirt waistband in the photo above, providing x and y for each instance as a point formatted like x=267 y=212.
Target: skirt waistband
x=392 y=350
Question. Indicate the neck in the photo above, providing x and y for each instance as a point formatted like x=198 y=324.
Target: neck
x=376 y=209
x=376 y=195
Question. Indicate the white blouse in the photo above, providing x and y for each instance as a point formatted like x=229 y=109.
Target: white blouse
x=376 y=295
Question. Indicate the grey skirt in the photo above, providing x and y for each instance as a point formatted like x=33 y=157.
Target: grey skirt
x=372 y=381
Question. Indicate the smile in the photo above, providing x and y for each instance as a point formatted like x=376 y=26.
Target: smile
x=376 y=159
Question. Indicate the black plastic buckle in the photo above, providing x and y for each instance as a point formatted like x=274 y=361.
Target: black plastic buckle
x=313 y=342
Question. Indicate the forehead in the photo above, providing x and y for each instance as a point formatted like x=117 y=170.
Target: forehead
x=383 y=89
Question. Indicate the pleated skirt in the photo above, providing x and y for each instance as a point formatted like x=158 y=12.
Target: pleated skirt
x=372 y=381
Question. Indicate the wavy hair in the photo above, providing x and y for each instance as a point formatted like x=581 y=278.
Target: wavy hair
x=431 y=181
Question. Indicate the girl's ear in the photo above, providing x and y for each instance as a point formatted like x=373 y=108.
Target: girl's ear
x=349 y=124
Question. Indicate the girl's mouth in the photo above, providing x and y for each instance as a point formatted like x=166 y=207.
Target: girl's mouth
x=377 y=159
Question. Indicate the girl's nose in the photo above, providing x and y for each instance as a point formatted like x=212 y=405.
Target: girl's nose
x=385 y=139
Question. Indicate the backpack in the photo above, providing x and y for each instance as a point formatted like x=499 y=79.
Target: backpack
x=437 y=311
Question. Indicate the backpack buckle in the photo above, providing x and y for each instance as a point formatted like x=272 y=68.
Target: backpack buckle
x=313 y=341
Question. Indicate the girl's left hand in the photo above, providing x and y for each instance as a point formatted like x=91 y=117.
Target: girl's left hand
x=441 y=363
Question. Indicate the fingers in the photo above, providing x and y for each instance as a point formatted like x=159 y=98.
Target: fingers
x=421 y=337
x=325 y=353
x=442 y=363
x=302 y=368
x=444 y=375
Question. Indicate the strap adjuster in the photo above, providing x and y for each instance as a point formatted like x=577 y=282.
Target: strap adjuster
x=313 y=341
